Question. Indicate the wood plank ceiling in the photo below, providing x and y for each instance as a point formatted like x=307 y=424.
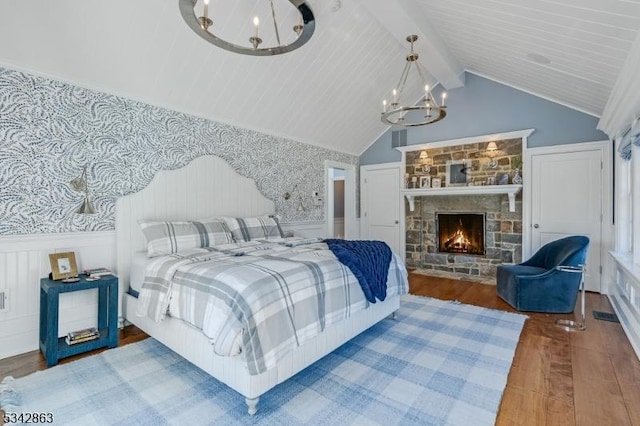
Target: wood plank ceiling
x=329 y=92
x=585 y=41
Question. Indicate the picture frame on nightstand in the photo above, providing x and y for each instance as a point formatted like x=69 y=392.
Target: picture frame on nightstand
x=63 y=265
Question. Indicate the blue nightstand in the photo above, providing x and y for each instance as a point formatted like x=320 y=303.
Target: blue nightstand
x=54 y=348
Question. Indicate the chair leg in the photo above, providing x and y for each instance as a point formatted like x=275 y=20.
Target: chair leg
x=570 y=325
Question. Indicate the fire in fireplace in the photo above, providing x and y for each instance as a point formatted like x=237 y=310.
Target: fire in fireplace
x=460 y=233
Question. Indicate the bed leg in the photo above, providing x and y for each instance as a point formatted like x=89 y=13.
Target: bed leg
x=252 y=405
x=394 y=315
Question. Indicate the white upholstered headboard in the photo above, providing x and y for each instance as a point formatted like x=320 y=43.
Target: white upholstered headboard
x=207 y=186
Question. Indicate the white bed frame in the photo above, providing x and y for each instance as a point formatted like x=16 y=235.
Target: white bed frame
x=208 y=186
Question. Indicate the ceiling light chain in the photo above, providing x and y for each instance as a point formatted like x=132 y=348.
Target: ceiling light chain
x=397 y=113
x=275 y=23
x=203 y=26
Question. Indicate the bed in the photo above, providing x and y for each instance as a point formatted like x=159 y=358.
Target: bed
x=209 y=187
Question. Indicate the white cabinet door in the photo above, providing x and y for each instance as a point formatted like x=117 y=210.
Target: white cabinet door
x=567 y=199
x=381 y=205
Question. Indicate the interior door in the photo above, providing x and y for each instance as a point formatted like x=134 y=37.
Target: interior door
x=566 y=195
x=381 y=205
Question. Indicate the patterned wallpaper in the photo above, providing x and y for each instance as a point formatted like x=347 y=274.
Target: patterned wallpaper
x=49 y=130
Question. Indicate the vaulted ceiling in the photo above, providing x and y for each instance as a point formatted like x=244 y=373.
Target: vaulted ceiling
x=328 y=92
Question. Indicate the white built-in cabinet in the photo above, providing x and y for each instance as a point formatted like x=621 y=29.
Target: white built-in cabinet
x=625 y=290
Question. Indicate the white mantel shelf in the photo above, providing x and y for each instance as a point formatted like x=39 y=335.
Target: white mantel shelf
x=510 y=190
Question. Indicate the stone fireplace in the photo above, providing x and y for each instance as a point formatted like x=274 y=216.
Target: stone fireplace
x=460 y=233
x=502 y=237
x=456 y=232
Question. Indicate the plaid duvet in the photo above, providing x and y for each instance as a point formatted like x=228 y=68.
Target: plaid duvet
x=261 y=299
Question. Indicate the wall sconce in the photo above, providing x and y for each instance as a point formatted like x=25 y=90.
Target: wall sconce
x=491 y=152
x=288 y=195
x=79 y=184
x=314 y=201
x=425 y=160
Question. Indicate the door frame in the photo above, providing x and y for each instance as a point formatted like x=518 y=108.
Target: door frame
x=363 y=201
x=607 y=232
x=350 y=222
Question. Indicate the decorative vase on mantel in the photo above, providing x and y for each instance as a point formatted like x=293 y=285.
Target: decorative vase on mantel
x=517 y=179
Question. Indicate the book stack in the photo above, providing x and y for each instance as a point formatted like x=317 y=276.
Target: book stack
x=85 y=335
x=97 y=272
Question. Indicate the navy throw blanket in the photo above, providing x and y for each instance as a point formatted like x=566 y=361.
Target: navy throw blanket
x=368 y=261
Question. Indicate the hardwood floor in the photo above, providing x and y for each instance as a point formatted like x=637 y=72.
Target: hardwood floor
x=590 y=377
x=27 y=363
x=557 y=377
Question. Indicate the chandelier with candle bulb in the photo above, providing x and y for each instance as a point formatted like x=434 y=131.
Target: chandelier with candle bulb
x=426 y=111
x=207 y=19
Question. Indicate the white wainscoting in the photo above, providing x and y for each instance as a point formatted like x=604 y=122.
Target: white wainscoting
x=305 y=229
x=625 y=296
x=23 y=261
x=313 y=229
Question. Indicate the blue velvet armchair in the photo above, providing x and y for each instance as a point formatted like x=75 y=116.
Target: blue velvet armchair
x=537 y=285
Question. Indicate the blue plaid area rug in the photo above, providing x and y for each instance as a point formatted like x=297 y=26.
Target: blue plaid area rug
x=439 y=363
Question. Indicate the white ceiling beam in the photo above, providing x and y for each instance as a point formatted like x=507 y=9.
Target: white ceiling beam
x=623 y=105
x=404 y=17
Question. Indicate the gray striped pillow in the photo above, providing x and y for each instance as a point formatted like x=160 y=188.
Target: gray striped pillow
x=171 y=237
x=254 y=228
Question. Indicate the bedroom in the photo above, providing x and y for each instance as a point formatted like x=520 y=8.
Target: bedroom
x=153 y=85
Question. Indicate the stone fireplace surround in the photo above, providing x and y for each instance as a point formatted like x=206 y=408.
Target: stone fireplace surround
x=503 y=226
x=503 y=237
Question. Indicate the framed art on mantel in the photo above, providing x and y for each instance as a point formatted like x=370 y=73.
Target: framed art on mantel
x=457 y=173
x=63 y=265
x=425 y=181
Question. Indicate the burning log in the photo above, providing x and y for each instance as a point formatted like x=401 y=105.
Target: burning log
x=461 y=233
x=458 y=241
